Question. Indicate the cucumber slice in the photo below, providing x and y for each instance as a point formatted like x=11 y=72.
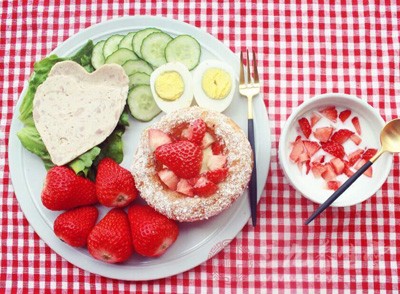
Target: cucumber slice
x=141 y=103
x=97 y=55
x=184 y=49
x=139 y=78
x=134 y=66
x=121 y=56
x=139 y=37
x=111 y=45
x=126 y=42
x=153 y=48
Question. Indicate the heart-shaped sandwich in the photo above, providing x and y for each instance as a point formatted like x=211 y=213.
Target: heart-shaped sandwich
x=192 y=164
x=74 y=110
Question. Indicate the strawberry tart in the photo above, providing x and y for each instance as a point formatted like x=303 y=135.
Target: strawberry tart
x=192 y=164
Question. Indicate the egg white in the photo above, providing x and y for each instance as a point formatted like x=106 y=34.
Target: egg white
x=187 y=96
x=201 y=97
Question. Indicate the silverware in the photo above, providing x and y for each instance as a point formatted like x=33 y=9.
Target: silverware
x=390 y=141
x=250 y=87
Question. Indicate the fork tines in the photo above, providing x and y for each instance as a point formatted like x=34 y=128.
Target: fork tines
x=249 y=80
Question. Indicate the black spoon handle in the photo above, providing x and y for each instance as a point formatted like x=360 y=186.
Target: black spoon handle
x=253 y=179
x=339 y=191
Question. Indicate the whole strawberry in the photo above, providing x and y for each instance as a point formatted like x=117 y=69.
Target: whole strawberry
x=110 y=240
x=63 y=190
x=115 y=186
x=73 y=226
x=152 y=232
x=183 y=158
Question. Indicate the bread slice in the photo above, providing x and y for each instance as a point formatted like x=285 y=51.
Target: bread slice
x=74 y=110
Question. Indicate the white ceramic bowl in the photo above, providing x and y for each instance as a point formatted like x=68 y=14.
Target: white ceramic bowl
x=371 y=124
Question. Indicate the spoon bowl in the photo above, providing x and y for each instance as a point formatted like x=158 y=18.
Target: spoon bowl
x=390 y=136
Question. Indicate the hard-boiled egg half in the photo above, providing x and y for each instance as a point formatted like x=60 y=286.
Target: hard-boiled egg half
x=171 y=86
x=214 y=85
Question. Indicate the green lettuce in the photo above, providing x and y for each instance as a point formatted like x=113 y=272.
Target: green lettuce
x=86 y=163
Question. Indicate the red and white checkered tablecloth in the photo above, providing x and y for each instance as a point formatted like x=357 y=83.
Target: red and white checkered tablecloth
x=304 y=49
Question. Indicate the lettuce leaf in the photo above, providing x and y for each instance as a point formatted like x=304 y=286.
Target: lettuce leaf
x=30 y=138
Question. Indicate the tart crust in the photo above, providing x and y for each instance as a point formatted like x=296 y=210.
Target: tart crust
x=184 y=208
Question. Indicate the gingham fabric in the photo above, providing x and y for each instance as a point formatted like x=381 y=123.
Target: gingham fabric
x=304 y=50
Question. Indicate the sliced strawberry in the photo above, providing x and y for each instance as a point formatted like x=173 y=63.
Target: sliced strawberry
x=297 y=138
x=218 y=175
x=158 y=138
x=338 y=165
x=356 y=139
x=303 y=157
x=344 y=115
x=305 y=127
x=334 y=149
x=369 y=153
x=359 y=164
x=298 y=148
x=329 y=173
x=317 y=169
x=356 y=124
x=347 y=171
x=193 y=181
x=216 y=162
x=184 y=187
x=315 y=117
x=168 y=178
x=217 y=148
x=308 y=167
x=312 y=147
x=330 y=113
x=207 y=153
x=341 y=136
x=208 y=139
x=197 y=130
x=354 y=156
x=333 y=185
x=204 y=187
x=323 y=134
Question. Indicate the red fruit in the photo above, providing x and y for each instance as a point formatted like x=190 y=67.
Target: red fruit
x=303 y=157
x=356 y=124
x=317 y=169
x=312 y=147
x=197 y=130
x=217 y=176
x=185 y=187
x=115 y=186
x=182 y=157
x=369 y=153
x=315 y=117
x=152 y=233
x=354 y=156
x=63 y=190
x=157 y=138
x=347 y=171
x=333 y=185
x=323 y=134
x=110 y=240
x=297 y=150
x=308 y=166
x=204 y=187
x=73 y=226
x=341 y=136
x=334 y=149
x=356 y=139
x=217 y=148
x=216 y=162
x=359 y=164
x=208 y=139
x=305 y=127
x=338 y=165
x=329 y=173
x=330 y=113
x=168 y=178
x=344 y=115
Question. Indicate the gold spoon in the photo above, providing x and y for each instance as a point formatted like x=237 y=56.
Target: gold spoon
x=390 y=141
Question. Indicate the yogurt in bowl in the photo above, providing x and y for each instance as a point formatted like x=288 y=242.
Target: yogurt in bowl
x=360 y=136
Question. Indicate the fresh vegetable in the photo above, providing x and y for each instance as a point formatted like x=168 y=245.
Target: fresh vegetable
x=153 y=48
x=139 y=37
x=141 y=103
x=184 y=49
x=111 y=45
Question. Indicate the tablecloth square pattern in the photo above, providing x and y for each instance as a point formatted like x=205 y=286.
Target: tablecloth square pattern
x=304 y=49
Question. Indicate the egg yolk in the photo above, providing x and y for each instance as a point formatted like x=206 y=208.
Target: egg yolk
x=216 y=83
x=169 y=85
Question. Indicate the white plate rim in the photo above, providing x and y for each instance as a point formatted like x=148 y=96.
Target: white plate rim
x=121 y=271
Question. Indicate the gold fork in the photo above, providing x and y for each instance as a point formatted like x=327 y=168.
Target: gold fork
x=250 y=88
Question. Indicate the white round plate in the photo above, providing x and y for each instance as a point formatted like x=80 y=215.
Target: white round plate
x=198 y=241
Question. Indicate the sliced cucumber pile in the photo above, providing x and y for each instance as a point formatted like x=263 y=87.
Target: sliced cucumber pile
x=139 y=53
